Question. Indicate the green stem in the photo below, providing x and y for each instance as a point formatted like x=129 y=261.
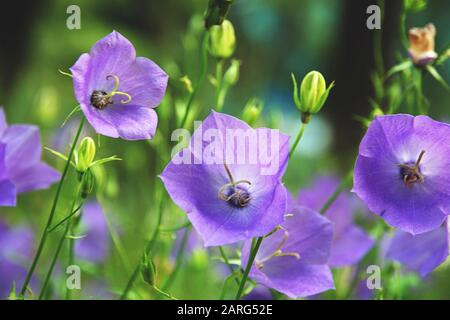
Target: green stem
x=148 y=248
x=180 y=255
x=71 y=260
x=201 y=78
x=250 y=261
x=58 y=250
x=165 y=294
x=342 y=186
x=297 y=140
x=219 y=81
x=51 y=215
x=227 y=262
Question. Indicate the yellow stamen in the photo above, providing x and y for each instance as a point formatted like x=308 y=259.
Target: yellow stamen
x=114 y=90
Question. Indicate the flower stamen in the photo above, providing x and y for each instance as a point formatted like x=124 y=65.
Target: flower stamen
x=101 y=99
x=278 y=252
x=411 y=173
x=232 y=193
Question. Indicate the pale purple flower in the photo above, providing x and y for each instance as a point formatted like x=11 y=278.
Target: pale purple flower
x=423 y=252
x=118 y=91
x=15 y=249
x=293 y=260
x=95 y=245
x=401 y=172
x=21 y=168
x=350 y=243
x=220 y=211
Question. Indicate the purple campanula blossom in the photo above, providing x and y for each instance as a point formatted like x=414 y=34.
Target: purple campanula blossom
x=401 y=172
x=15 y=250
x=95 y=245
x=117 y=91
x=423 y=252
x=350 y=243
x=228 y=200
x=21 y=168
x=259 y=293
x=293 y=260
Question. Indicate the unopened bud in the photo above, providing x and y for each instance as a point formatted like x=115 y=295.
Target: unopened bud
x=87 y=184
x=148 y=270
x=231 y=76
x=85 y=154
x=252 y=111
x=222 y=40
x=313 y=93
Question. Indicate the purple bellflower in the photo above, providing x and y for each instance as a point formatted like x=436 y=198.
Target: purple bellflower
x=94 y=246
x=21 y=168
x=117 y=91
x=293 y=260
x=15 y=250
x=228 y=180
x=423 y=252
x=401 y=172
x=350 y=243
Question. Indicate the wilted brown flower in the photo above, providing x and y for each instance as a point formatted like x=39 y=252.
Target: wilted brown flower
x=421 y=44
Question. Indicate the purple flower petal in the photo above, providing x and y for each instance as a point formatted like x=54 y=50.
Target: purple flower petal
x=310 y=236
x=421 y=253
x=3 y=123
x=15 y=249
x=8 y=191
x=350 y=243
x=350 y=247
x=396 y=140
x=140 y=78
x=94 y=246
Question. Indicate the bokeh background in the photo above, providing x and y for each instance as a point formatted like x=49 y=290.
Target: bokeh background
x=274 y=38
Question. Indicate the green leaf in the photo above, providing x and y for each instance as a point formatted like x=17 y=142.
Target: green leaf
x=59 y=155
x=295 y=93
x=399 y=68
x=435 y=74
x=104 y=160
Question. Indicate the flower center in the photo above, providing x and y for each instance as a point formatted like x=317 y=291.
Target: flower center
x=410 y=172
x=101 y=99
x=234 y=193
x=278 y=252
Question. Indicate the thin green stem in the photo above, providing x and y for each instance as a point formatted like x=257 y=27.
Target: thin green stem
x=297 y=139
x=342 y=186
x=219 y=82
x=71 y=259
x=201 y=78
x=148 y=248
x=165 y=294
x=250 y=261
x=180 y=256
x=52 y=214
x=227 y=262
x=58 y=250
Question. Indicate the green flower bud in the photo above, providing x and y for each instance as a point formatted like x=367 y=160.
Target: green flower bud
x=85 y=154
x=231 y=76
x=87 y=184
x=252 y=111
x=313 y=93
x=148 y=270
x=216 y=12
x=222 y=40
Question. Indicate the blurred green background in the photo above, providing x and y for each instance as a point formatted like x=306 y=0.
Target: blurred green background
x=274 y=38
